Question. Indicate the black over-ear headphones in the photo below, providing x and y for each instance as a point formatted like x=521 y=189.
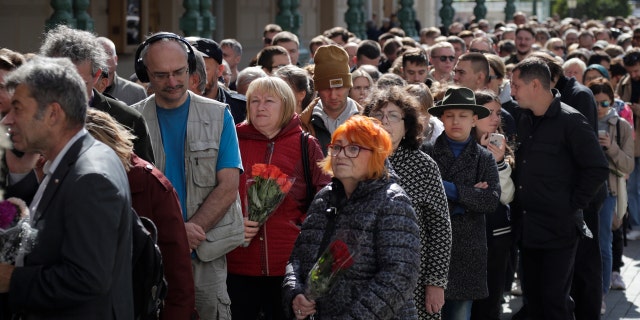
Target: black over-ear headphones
x=141 y=69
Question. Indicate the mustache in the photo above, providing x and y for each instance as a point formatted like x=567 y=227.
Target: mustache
x=167 y=88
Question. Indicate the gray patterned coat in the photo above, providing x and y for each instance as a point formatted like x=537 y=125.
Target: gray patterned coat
x=420 y=178
x=379 y=221
x=468 y=268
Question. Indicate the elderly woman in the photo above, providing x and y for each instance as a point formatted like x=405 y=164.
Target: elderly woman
x=420 y=178
x=153 y=196
x=365 y=208
x=271 y=134
x=574 y=67
x=616 y=138
x=471 y=183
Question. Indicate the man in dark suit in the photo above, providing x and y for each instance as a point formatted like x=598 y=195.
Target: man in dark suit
x=89 y=58
x=80 y=266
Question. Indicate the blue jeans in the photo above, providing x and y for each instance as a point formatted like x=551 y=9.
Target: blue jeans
x=606 y=237
x=456 y=309
x=633 y=191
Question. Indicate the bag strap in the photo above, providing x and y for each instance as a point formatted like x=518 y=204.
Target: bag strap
x=332 y=213
x=337 y=200
x=304 y=142
x=618 y=132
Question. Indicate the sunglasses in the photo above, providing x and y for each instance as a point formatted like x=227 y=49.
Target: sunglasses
x=559 y=48
x=604 y=104
x=444 y=58
x=267 y=41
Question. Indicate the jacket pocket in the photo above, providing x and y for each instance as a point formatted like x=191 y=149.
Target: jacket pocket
x=203 y=159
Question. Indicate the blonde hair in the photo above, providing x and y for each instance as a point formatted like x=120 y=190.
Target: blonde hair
x=108 y=131
x=278 y=88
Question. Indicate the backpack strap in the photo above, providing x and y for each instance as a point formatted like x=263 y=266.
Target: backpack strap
x=304 y=147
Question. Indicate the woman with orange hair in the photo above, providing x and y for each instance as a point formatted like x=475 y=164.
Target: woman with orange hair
x=365 y=208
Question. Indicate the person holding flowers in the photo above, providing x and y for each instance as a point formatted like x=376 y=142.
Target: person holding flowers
x=364 y=208
x=275 y=195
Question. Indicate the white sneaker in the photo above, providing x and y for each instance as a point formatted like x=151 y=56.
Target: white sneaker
x=633 y=235
x=616 y=281
x=603 y=307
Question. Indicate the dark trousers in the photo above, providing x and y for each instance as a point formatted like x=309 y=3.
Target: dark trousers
x=251 y=296
x=586 y=290
x=499 y=251
x=618 y=244
x=547 y=282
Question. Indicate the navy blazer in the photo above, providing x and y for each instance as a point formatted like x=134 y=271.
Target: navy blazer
x=80 y=267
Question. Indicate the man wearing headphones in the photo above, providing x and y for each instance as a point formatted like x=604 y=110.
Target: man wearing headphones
x=196 y=147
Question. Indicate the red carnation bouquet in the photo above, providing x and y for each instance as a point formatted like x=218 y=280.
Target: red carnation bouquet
x=333 y=262
x=265 y=191
x=17 y=237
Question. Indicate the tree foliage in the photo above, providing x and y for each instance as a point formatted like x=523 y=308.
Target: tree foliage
x=594 y=9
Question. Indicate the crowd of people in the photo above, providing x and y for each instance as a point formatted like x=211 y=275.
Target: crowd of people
x=453 y=168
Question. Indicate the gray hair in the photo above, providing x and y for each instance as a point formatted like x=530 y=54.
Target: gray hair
x=107 y=43
x=200 y=71
x=247 y=75
x=234 y=44
x=77 y=45
x=53 y=80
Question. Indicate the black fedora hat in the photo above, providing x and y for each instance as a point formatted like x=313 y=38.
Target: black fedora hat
x=459 y=98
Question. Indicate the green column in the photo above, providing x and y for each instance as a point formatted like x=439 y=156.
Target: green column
x=534 y=10
x=297 y=17
x=285 y=18
x=446 y=13
x=407 y=17
x=354 y=18
x=208 y=20
x=480 y=10
x=191 y=22
x=83 y=19
x=62 y=14
x=509 y=10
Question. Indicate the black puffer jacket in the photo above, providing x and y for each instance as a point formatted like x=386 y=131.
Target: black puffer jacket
x=377 y=222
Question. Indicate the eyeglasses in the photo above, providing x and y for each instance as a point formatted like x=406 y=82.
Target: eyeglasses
x=165 y=75
x=444 y=58
x=478 y=50
x=604 y=104
x=350 y=151
x=392 y=117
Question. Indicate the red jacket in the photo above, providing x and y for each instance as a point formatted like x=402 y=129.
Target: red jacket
x=153 y=196
x=269 y=250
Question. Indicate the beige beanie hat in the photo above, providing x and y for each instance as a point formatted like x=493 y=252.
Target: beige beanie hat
x=332 y=68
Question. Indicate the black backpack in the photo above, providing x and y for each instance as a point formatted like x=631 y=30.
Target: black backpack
x=149 y=284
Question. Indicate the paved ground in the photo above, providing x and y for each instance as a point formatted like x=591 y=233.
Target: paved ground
x=620 y=304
